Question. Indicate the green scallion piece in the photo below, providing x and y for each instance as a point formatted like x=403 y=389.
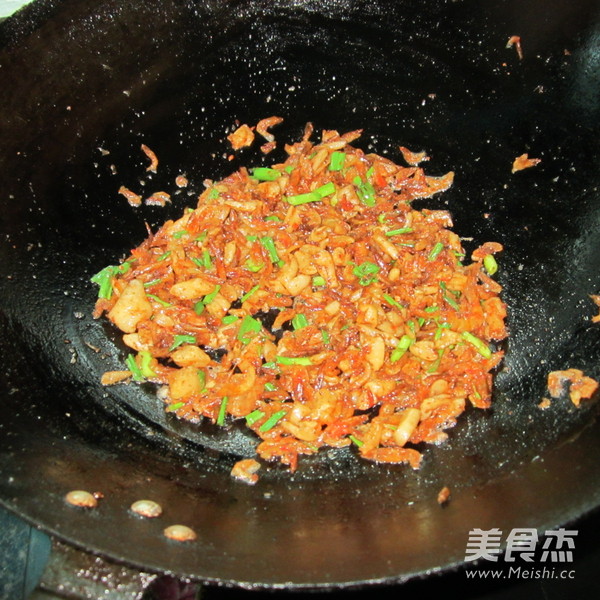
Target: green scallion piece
x=174 y=407
x=337 y=160
x=199 y=307
x=152 y=283
x=254 y=416
x=289 y=168
x=355 y=440
x=269 y=365
x=293 y=360
x=265 y=174
x=435 y=365
x=431 y=309
x=229 y=319
x=365 y=192
x=213 y=194
x=325 y=337
x=132 y=365
x=400 y=231
x=479 y=345
x=202 y=378
x=274 y=218
x=490 y=264
x=249 y=293
x=299 y=321
x=222 y=411
x=164 y=256
x=435 y=251
x=269 y=244
x=145 y=368
x=179 y=234
x=272 y=420
x=210 y=297
x=318 y=281
x=252 y=267
x=326 y=189
x=392 y=302
x=249 y=325
x=179 y=340
x=201 y=237
x=403 y=345
x=270 y=386
x=303 y=198
x=104 y=280
x=159 y=300
x=366 y=272
x=451 y=301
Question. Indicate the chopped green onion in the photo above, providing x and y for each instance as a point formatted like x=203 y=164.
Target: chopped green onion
x=213 y=194
x=272 y=218
x=254 y=416
x=210 y=297
x=202 y=378
x=336 y=162
x=365 y=272
x=252 y=267
x=392 y=302
x=179 y=234
x=270 y=365
x=440 y=329
x=490 y=264
x=159 y=300
x=326 y=189
x=303 y=198
x=249 y=293
x=431 y=309
x=403 y=345
x=104 y=280
x=179 y=340
x=145 y=368
x=435 y=251
x=479 y=345
x=318 y=281
x=164 y=256
x=325 y=337
x=365 y=192
x=153 y=282
x=199 y=307
x=399 y=231
x=447 y=298
x=205 y=261
x=435 y=365
x=249 y=325
x=222 y=411
x=370 y=172
x=229 y=319
x=265 y=174
x=252 y=238
x=201 y=237
x=174 y=407
x=269 y=245
x=355 y=440
x=132 y=365
x=270 y=386
x=289 y=168
x=293 y=360
x=299 y=321
x=272 y=420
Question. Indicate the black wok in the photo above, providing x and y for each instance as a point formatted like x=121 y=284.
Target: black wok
x=84 y=83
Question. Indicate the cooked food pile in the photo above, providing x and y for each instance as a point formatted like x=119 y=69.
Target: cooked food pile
x=311 y=301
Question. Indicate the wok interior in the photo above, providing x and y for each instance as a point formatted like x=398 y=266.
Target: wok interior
x=435 y=78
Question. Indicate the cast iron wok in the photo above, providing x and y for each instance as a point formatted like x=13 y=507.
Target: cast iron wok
x=84 y=83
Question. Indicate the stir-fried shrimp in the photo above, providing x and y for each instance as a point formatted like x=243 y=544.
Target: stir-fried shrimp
x=312 y=302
